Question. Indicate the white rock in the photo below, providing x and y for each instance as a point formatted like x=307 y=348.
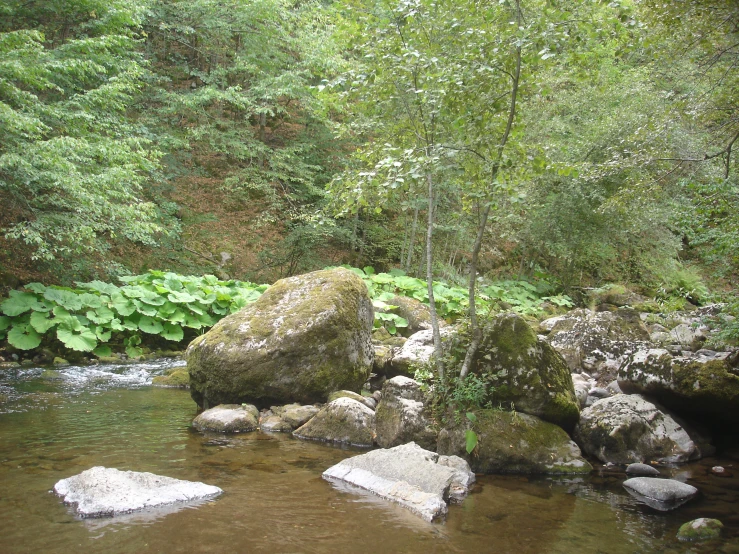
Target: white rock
x=102 y=491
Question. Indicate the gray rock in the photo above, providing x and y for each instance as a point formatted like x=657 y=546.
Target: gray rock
x=401 y=416
x=353 y=395
x=582 y=383
x=598 y=341
x=417 y=350
x=304 y=338
x=296 y=415
x=599 y=392
x=100 y=491
x=627 y=428
x=408 y=475
x=660 y=494
x=643 y=470
x=275 y=424
x=415 y=312
x=688 y=336
x=228 y=418
x=343 y=420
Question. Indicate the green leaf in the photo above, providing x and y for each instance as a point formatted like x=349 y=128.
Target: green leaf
x=181 y=297
x=18 y=303
x=41 y=322
x=115 y=325
x=103 y=351
x=102 y=333
x=24 y=337
x=470 y=440
x=4 y=322
x=38 y=288
x=134 y=352
x=64 y=298
x=82 y=340
x=122 y=305
x=173 y=332
x=99 y=286
x=150 y=325
x=102 y=314
x=472 y=417
x=130 y=324
x=90 y=300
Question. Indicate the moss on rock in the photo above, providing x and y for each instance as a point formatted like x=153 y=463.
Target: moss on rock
x=702 y=529
x=512 y=442
x=177 y=378
x=304 y=338
x=344 y=421
x=526 y=373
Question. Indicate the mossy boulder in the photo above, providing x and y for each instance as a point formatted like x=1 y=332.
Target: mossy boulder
x=524 y=372
x=512 y=442
x=178 y=377
x=401 y=415
x=367 y=401
x=305 y=337
x=701 y=529
x=344 y=421
x=696 y=386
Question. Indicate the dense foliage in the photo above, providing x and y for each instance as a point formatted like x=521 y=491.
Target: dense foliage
x=578 y=142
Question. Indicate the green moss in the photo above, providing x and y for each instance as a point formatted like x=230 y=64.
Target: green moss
x=702 y=529
x=177 y=378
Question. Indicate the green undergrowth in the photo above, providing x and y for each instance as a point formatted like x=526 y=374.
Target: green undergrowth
x=165 y=308
x=95 y=316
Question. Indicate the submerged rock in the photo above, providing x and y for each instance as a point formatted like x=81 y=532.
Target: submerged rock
x=228 y=418
x=660 y=494
x=701 y=529
x=514 y=443
x=401 y=416
x=417 y=479
x=628 y=428
x=525 y=373
x=305 y=337
x=100 y=491
x=343 y=420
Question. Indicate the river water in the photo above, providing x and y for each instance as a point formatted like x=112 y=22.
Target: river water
x=57 y=423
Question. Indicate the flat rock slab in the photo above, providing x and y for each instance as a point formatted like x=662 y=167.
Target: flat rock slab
x=101 y=491
x=417 y=479
x=660 y=494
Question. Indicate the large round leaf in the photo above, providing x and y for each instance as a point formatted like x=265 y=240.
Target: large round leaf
x=173 y=332
x=4 y=322
x=181 y=297
x=24 y=337
x=102 y=314
x=41 y=322
x=18 y=303
x=65 y=298
x=150 y=325
x=83 y=340
x=122 y=305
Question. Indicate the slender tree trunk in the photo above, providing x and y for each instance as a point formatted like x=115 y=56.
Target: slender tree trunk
x=430 y=280
x=474 y=324
x=411 y=244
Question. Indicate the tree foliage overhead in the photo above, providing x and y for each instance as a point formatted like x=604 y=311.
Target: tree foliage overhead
x=74 y=167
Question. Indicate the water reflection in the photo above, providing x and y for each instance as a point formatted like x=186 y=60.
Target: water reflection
x=59 y=424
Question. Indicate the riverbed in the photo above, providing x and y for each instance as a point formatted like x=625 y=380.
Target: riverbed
x=55 y=423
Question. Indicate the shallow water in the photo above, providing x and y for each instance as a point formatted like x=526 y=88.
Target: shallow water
x=57 y=423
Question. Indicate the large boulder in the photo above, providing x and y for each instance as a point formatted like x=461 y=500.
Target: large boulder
x=702 y=386
x=401 y=416
x=344 y=420
x=627 y=428
x=598 y=342
x=100 y=491
x=524 y=372
x=417 y=351
x=511 y=442
x=306 y=337
x=417 y=479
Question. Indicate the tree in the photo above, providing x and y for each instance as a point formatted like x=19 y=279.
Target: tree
x=73 y=164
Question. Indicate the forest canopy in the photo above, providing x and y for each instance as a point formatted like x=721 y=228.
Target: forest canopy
x=586 y=142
